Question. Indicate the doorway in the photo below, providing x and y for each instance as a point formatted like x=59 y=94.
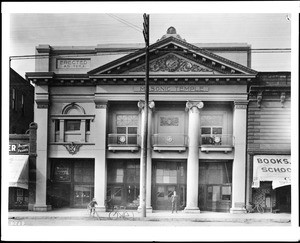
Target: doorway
x=167 y=177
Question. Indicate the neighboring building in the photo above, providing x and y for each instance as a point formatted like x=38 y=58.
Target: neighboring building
x=21 y=103
x=269 y=141
x=22 y=173
x=21 y=143
x=89 y=111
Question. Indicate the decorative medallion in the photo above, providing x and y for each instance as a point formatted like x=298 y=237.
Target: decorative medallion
x=169 y=121
x=72 y=147
x=169 y=139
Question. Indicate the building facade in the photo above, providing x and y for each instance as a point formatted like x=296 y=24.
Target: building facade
x=21 y=102
x=91 y=110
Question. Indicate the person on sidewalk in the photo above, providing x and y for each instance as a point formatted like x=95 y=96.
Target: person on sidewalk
x=174 y=198
x=92 y=206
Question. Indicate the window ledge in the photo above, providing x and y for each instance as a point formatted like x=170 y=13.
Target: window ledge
x=160 y=148
x=216 y=148
x=126 y=147
x=66 y=143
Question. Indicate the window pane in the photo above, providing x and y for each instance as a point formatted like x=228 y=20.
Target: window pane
x=217 y=130
x=205 y=130
x=73 y=125
x=121 y=130
x=132 y=130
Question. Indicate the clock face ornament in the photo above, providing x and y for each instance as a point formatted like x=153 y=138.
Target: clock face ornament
x=122 y=139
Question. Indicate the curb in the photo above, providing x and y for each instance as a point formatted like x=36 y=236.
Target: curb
x=237 y=220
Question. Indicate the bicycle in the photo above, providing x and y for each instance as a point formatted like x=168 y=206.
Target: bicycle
x=120 y=213
x=255 y=207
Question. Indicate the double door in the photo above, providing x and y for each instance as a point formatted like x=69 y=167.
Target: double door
x=168 y=176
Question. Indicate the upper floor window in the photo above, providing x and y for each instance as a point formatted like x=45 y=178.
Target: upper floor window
x=127 y=129
x=13 y=99
x=22 y=104
x=211 y=129
x=73 y=125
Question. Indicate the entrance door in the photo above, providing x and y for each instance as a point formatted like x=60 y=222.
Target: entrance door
x=167 y=177
x=283 y=198
x=163 y=197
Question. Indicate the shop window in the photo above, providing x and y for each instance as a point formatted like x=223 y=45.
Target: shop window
x=115 y=172
x=160 y=191
x=83 y=194
x=226 y=193
x=133 y=172
x=83 y=172
x=166 y=173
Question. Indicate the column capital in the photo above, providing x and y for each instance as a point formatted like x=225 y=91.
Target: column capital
x=190 y=104
x=241 y=104
x=141 y=104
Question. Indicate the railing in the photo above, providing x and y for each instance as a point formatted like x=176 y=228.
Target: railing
x=169 y=139
x=124 y=139
x=216 y=140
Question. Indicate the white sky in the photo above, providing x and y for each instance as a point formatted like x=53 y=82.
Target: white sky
x=260 y=24
x=71 y=28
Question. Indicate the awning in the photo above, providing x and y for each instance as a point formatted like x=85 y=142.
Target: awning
x=18 y=171
x=275 y=168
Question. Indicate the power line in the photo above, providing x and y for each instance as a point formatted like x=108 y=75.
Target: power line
x=131 y=50
x=125 y=22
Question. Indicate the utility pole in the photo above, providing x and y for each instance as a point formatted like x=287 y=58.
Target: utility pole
x=145 y=121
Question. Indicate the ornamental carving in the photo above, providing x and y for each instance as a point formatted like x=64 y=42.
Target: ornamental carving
x=172 y=63
x=169 y=121
x=72 y=147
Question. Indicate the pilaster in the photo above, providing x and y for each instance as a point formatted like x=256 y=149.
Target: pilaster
x=239 y=162
x=100 y=181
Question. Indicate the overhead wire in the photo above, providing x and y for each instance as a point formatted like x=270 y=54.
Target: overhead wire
x=125 y=22
x=112 y=51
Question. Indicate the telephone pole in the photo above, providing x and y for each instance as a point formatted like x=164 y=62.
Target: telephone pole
x=145 y=121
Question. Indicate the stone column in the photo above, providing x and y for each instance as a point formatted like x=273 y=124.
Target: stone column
x=141 y=105
x=41 y=118
x=239 y=162
x=100 y=178
x=193 y=157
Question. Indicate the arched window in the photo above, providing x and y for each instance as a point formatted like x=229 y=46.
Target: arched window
x=72 y=125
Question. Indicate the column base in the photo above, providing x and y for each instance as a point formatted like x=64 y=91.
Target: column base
x=42 y=208
x=148 y=210
x=238 y=210
x=191 y=210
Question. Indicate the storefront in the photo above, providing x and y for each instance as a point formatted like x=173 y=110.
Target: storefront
x=21 y=174
x=71 y=183
x=271 y=186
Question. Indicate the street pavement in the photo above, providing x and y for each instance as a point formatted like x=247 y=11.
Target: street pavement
x=83 y=214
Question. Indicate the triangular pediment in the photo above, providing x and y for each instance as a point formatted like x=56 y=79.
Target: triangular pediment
x=172 y=63
x=173 y=56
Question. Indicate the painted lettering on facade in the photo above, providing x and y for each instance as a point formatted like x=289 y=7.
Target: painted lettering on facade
x=73 y=63
x=169 y=89
x=19 y=148
x=275 y=168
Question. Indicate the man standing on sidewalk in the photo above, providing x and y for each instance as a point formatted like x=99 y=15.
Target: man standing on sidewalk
x=174 y=201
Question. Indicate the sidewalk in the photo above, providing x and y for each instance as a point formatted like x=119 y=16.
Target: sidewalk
x=82 y=214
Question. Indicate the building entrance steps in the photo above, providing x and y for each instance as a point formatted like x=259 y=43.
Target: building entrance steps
x=156 y=215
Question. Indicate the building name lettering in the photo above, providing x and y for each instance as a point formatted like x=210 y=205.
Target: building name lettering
x=73 y=63
x=166 y=89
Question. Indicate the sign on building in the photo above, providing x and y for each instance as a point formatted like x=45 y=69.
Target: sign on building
x=275 y=168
